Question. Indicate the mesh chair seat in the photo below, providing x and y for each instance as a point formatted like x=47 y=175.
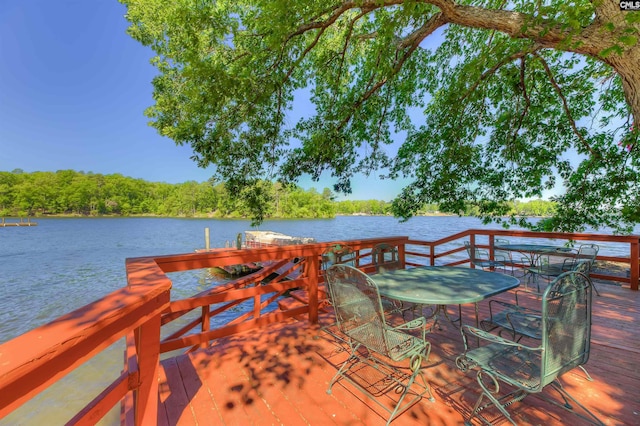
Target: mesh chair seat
x=398 y=346
x=520 y=366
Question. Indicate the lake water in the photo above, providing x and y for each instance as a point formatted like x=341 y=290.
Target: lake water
x=63 y=264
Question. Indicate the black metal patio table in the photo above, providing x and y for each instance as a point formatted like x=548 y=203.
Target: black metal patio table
x=443 y=285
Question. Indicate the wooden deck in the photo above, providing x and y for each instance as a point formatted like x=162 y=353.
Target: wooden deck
x=279 y=376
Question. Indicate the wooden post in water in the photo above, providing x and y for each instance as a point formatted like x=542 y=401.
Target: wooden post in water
x=206 y=239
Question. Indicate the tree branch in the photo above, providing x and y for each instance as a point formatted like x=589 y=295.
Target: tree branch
x=382 y=82
x=412 y=41
x=338 y=10
x=527 y=103
x=545 y=32
x=496 y=67
x=565 y=106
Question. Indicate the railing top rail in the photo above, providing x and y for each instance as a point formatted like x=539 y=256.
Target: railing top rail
x=221 y=257
x=556 y=235
x=32 y=361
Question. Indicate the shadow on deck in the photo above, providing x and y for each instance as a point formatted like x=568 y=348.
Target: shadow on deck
x=279 y=375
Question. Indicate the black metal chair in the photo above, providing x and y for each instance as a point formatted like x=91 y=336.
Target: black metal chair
x=361 y=318
x=338 y=254
x=385 y=257
x=564 y=343
x=507 y=255
x=480 y=257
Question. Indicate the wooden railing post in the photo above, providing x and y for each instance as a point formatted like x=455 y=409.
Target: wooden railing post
x=313 y=272
x=491 y=243
x=402 y=256
x=206 y=322
x=472 y=251
x=634 y=269
x=148 y=348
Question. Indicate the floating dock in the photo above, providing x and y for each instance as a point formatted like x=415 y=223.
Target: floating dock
x=4 y=223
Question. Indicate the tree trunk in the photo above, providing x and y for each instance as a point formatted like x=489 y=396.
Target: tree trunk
x=628 y=67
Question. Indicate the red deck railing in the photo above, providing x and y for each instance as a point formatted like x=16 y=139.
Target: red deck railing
x=143 y=311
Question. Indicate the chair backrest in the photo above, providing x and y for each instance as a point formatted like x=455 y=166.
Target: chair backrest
x=338 y=255
x=566 y=325
x=476 y=254
x=587 y=252
x=583 y=267
x=385 y=257
x=501 y=253
x=358 y=308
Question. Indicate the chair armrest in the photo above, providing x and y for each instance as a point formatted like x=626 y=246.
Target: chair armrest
x=482 y=254
x=419 y=323
x=514 y=307
x=568 y=264
x=500 y=258
x=414 y=324
x=492 y=338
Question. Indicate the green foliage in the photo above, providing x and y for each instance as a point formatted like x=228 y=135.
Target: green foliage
x=67 y=192
x=504 y=105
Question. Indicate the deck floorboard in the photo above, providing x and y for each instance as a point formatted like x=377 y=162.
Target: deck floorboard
x=279 y=376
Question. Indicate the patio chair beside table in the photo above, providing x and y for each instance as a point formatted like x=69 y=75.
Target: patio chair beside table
x=550 y=261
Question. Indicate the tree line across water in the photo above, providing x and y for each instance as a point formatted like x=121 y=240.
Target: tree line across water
x=69 y=192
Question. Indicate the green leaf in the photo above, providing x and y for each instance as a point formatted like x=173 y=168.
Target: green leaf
x=628 y=40
x=612 y=50
x=632 y=17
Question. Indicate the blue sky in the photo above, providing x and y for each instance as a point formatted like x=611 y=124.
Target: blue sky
x=73 y=89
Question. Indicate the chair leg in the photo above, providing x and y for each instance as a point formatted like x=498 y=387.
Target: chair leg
x=415 y=365
x=568 y=399
x=490 y=394
x=352 y=358
x=586 y=373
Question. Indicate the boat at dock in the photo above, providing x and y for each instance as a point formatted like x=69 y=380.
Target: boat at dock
x=257 y=239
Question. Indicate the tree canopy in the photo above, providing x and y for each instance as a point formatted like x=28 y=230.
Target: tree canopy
x=480 y=102
x=68 y=192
